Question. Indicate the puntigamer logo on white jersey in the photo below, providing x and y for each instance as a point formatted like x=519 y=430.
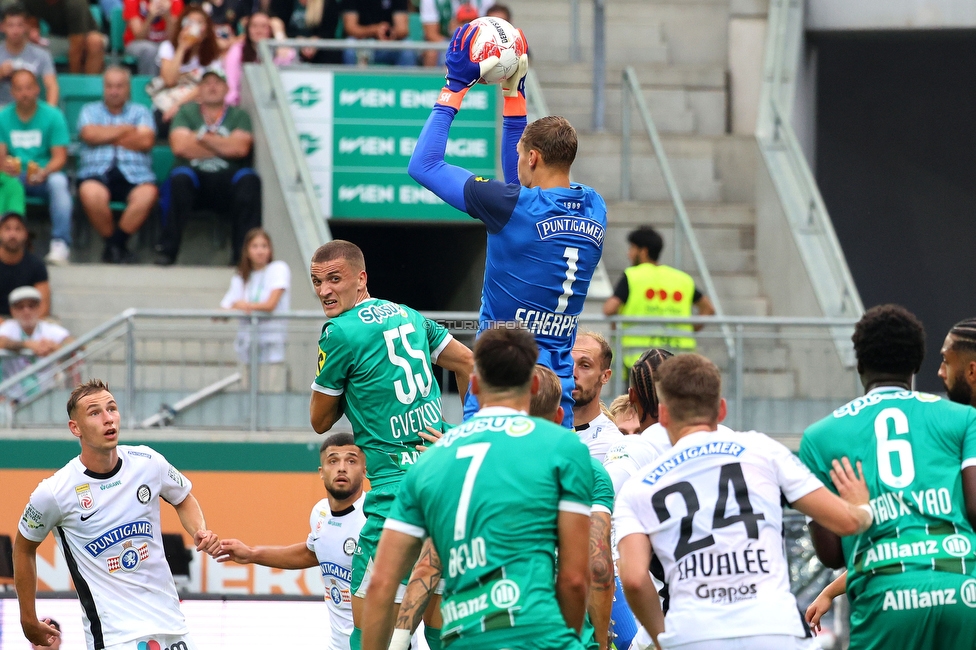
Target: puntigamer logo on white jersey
x=117 y=535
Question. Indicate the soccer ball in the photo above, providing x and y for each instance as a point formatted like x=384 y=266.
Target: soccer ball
x=499 y=38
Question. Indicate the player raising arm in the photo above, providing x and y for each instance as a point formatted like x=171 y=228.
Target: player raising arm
x=711 y=511
x=545 y=234
x=335 y=523
x=104 y=505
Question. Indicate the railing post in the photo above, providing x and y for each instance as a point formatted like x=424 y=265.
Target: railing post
x=254 y=373
x=599 y=65
x=624 y=138
x=618 y=358
x=739 y=378
x=575 y=53
x=130 y=371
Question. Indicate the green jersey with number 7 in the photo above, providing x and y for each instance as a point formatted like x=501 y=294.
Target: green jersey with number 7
x=378 y=357
x=912 y=447
x=489 y=495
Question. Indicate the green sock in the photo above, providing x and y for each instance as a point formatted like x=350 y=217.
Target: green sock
x=356 y=639
x=433 y=636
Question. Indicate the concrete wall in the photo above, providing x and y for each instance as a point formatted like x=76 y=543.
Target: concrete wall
x=890 y=14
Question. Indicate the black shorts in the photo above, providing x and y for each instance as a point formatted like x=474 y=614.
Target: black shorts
x=64 y=17
x=118 y=185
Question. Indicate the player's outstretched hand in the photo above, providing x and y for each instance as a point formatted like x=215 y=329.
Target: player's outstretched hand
x=40 y=633
x=850 y=485
x=432 y=435
x=234 y=550
x=515 y=85
x=462 y=71
x=817 y=609
x=206 y=541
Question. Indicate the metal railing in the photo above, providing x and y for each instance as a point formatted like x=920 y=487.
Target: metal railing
x=792 y=177
x=784 y=375
x=630 y=88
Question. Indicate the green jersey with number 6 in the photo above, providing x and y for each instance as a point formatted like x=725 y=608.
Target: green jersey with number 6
x=489 y=495
x=912 y=447
x=378 y=357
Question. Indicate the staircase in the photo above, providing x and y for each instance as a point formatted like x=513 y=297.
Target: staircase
x=679 y=49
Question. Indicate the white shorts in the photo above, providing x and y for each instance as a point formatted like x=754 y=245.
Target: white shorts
x=765 y=642
x=157 y=642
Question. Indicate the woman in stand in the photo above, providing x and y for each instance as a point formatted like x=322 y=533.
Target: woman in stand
x=260 y=285
x=259 y=28
x=182 y=61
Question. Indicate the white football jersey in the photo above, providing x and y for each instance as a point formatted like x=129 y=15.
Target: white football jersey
x=333 y=539
x=107 y=526
x=712 y=508
x=599 y=435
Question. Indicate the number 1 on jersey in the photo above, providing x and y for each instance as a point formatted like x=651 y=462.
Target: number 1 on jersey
x=476 y=452
x=571 y=255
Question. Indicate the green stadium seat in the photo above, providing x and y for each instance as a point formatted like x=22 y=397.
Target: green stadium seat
x=139 y=94
x=116 y=31
x=76 y=91
x=162 y=161
x=416 y=28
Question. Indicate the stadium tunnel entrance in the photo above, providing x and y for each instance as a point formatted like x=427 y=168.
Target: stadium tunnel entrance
x=896 y=164
x=427 y=267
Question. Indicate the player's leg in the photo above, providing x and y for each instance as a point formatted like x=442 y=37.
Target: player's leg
x=623 y=625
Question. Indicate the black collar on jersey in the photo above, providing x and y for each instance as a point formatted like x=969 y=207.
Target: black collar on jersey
x=344 y=511
x=102 y=477
x=583 y=427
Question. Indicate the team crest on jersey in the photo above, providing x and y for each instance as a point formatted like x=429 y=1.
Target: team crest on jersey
x=130 y=558
x=349 y=546
x=143 y=494
x=85 y=497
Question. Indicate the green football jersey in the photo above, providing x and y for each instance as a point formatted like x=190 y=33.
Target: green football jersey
x=378 y=356
x=912 y=447
x=489 y=495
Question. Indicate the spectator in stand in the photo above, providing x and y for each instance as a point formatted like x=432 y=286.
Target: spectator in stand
x=149 y=24
x=383 y=20
x=229 y=18
x=35 y=135
x=441 y=17
x=649 y=288
x=500 y=11
x=212 y=144
x=246 y=51
x=26 y=333
x=18 y=267
x=117 y=136
x=73 y=19
x=312 y=19
x=17 y=52
x=260 y=284
x=182 y=61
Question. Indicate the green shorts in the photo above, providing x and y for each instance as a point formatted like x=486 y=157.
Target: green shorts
x=920 y=609
x=379 y=502
x=530 y=637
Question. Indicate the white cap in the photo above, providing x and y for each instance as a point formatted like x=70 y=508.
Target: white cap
x=24 y=293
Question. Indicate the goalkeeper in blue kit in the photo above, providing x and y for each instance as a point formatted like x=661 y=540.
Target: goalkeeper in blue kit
x=545 y=234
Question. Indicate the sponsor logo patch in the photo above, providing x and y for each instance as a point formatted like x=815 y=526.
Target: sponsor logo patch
x=118 y=535
x=85 y=498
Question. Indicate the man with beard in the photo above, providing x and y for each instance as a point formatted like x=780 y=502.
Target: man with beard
x=335 y=524
x=18 y=268
x=958 y=369
x=591 y=371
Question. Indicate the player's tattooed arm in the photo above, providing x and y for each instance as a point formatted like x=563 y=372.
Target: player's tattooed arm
x=600 y=599
x=423 y=580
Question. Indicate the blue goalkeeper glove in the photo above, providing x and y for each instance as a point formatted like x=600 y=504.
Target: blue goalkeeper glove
x=462 y=71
